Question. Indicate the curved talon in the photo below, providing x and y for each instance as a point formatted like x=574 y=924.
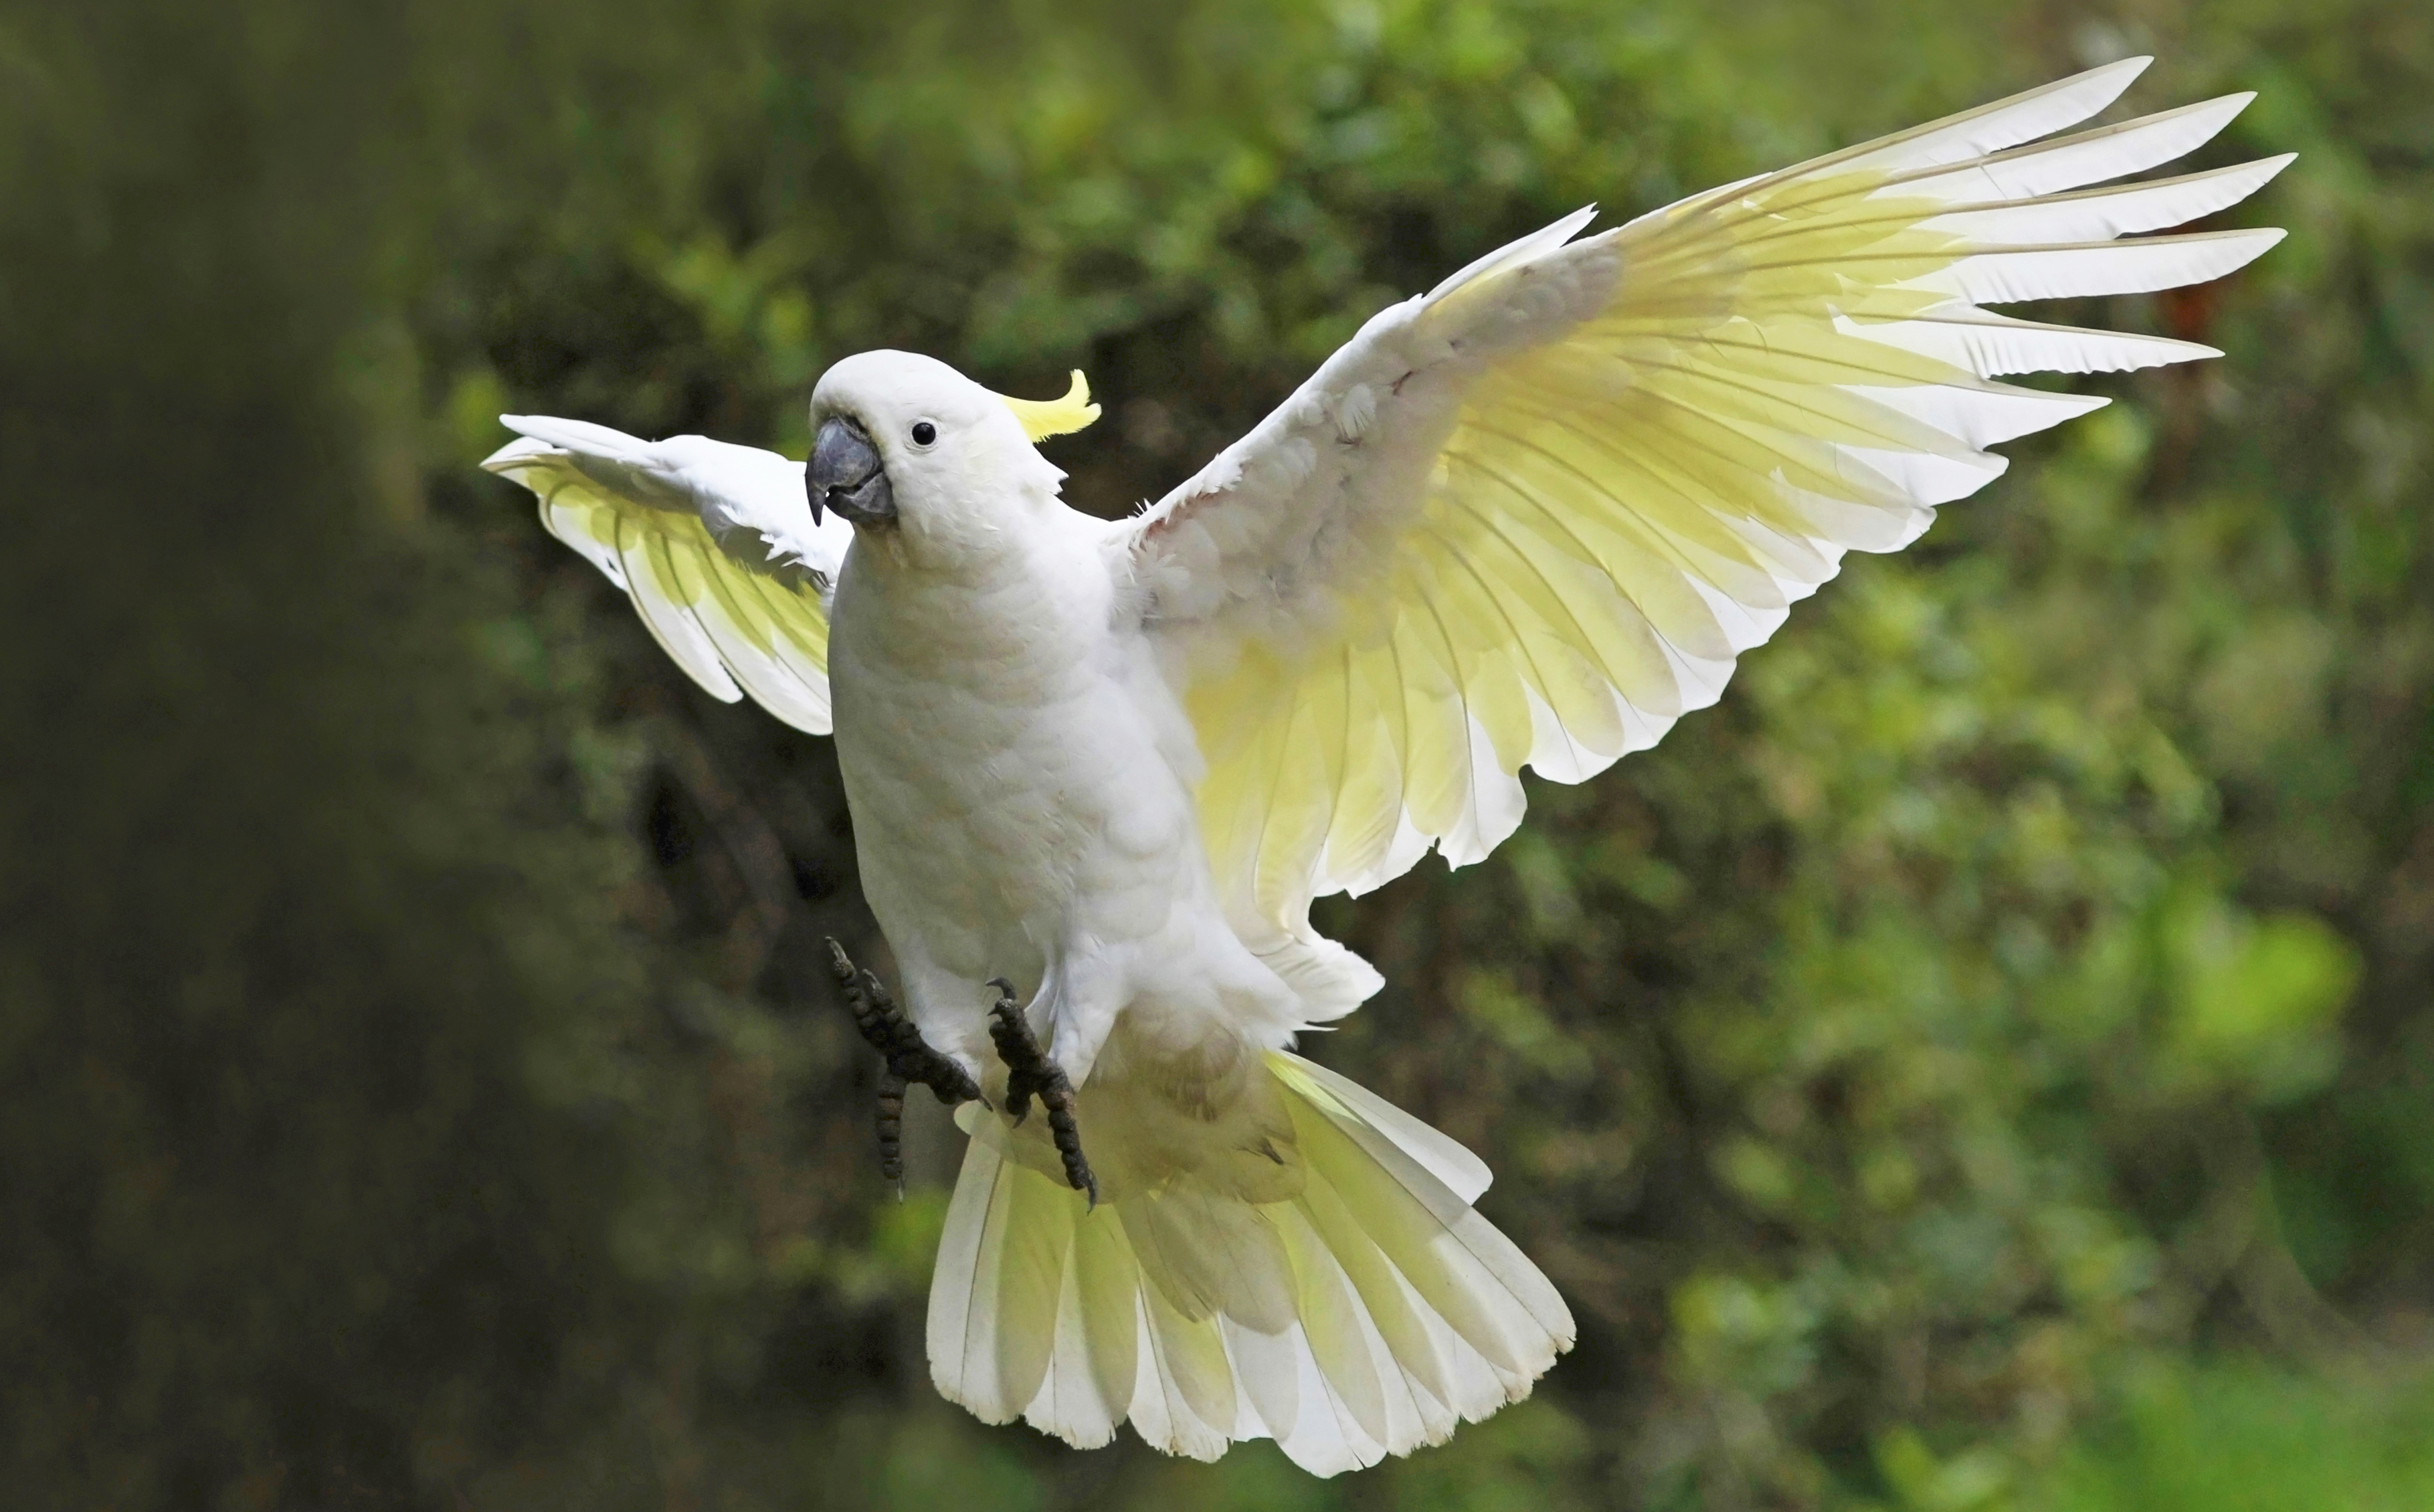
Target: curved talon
x=909 y=1059
x=1030 y=1073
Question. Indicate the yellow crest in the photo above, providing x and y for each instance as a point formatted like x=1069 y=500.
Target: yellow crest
x=1043 y=417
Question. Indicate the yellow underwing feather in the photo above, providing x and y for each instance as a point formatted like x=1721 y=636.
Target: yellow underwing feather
x=1589 y=472
x=742 y=611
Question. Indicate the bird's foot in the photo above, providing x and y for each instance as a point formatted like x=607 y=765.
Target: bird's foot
x=910 y=1059
x=1030 y=1073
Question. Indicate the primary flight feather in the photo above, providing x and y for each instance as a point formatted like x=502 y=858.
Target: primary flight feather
x=1529 y=517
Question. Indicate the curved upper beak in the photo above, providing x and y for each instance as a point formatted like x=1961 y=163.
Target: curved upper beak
x=846 y=474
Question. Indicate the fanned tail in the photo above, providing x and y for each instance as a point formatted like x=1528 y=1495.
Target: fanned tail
x=1364 y=1311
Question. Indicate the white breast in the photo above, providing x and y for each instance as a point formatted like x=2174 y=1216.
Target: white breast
x=1011 y=770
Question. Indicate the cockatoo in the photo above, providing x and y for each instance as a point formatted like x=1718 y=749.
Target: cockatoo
x=1098 y=770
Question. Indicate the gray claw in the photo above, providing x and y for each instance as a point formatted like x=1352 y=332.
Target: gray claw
x=910 y=1059
x=1030 y=1073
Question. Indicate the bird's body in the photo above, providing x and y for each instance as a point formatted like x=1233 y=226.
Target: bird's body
x=1530 y=518
x=1021 y=777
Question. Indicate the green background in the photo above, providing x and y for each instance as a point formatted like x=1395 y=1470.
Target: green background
x=1986 y=1063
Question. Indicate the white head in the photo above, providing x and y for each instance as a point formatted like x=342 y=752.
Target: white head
x=913 y=451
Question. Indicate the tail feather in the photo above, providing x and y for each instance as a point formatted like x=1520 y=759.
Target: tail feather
x=1348 y=1366
x=1364 y=1314
x=1347 y=1102
x=1188 y=1375
x=1107 y=1309
x=1033 y=1259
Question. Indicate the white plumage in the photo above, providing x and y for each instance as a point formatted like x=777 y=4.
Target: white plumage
x=1530 y=518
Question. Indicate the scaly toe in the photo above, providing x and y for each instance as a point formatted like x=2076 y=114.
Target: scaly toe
x=1029 y=1072
x=908 y=1058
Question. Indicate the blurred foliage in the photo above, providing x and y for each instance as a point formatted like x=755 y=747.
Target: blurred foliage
x=417 y=1087
x=2241 y=1436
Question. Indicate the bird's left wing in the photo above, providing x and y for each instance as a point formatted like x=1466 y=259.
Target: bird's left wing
x=1533 y=516
x=715 y=542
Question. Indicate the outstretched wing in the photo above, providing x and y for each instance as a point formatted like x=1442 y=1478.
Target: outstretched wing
x=1533 y=516
x=715 y=544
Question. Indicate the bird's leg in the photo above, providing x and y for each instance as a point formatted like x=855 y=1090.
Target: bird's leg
x=1029 y=1072
x=910 y=1059
x=891 y=1129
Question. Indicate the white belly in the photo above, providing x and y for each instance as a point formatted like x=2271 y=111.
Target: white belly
x=1020 y=810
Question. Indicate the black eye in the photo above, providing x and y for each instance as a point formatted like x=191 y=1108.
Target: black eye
x=924 y=432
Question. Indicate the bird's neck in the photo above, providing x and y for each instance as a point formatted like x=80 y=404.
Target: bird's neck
x=971 y=543
x=1029 y=598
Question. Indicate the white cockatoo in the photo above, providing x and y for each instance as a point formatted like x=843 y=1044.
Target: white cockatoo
x=1098 y=770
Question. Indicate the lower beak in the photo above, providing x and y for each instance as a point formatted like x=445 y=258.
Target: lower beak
x=846 y=474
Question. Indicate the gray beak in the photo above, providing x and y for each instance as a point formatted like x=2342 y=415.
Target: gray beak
x=846 y=474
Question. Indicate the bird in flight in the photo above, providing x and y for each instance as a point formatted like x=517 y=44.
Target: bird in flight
x=1098 y=770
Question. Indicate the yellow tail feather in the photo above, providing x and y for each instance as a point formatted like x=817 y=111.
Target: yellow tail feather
x=1357 y=1308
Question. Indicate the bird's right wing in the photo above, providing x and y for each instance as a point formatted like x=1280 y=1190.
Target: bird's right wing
x=715 y=542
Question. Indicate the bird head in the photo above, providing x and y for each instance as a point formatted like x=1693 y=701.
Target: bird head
x=905 y=443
